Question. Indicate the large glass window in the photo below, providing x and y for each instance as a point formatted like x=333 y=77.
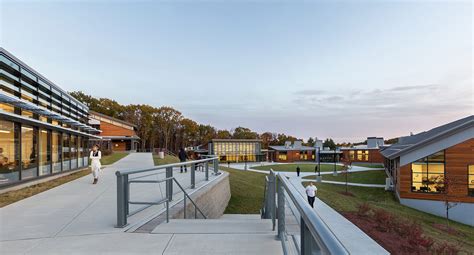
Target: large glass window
x=66 y=152
x=56 y=151
x=428 y=174
x=29 y=152
x=9 y=152
x=45 y=152
x=85 y=154
x=282 y=155
x=73 y=149
x=351 y=155
x=470 y=180
x=80 y=145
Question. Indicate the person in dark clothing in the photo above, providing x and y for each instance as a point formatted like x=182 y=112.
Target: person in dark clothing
x=298 y=171
x=316 y=169
x=182 y=157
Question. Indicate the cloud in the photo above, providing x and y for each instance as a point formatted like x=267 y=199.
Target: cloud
x=416 y=87
x=310 y=92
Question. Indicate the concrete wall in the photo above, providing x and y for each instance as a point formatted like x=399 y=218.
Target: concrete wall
x=462 y=212
x=211 y=199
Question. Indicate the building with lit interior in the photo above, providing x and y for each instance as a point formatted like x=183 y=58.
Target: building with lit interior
x=119 y=135
x=43 y=130
x=434 y=167
x=365 y=153
x=237 y=150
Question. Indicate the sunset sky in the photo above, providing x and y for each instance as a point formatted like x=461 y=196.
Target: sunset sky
x=344 y=69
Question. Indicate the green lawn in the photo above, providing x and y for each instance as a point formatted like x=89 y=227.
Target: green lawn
x=368 y=165
x=112 y=158
x=368 y=177
x=246 y=191
x=168 y=159
x=306 y=167
x=377 y=197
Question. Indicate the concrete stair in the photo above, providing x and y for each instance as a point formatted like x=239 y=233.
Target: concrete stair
x=231 y=234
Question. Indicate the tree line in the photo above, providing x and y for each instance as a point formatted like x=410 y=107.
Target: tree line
x=166 y=127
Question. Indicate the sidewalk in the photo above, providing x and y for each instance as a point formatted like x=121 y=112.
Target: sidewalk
x=81 y=212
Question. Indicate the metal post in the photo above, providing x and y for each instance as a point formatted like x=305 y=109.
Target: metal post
x=216 y=166
x=273 y=198
x=121 y=200
x=169 y=183
x=167 y=211
x=184 y=205
x=207 y=171
x=281 y=210
x=308 y=244
x=193 y=175
x=127 y=194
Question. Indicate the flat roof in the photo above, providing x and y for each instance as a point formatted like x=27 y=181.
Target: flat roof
x=236 y=140
x=291 y=148
x=111 y=118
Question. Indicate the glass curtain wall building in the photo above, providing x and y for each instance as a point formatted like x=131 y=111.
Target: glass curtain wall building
x=237 y=150
x=43 y=130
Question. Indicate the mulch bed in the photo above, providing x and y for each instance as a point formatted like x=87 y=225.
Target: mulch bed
x=392 y=242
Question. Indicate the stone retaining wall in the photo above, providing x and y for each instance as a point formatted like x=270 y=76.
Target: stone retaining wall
x=212 y=199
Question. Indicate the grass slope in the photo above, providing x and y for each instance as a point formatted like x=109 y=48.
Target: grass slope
x=368 y=177
x=112 y=158
x=305 y=167
x=368 y=165
x=377 y=197
x=246 y=191
x=168 y=159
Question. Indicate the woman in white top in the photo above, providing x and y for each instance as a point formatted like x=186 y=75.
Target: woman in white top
x=95 y=156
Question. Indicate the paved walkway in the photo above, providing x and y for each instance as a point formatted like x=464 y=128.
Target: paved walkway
x=77 y=217
x=354 y=239
x=241 y=166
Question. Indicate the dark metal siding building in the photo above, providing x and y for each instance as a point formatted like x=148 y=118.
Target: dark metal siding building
x=43 y=130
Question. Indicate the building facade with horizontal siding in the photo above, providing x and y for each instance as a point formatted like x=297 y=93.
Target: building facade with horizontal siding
x=434 y=167
x=43 y=130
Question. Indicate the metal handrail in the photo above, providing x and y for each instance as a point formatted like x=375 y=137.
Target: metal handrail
x=315 y=234
x=190 y=199
x=123 y=187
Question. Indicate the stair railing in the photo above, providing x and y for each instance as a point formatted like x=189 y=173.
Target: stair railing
x=124 y=179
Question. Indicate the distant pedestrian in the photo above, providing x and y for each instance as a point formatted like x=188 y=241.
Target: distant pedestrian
x=316 y=169
x=298 y=171
x=95 y=156
x=311 y=193
x=182 y=157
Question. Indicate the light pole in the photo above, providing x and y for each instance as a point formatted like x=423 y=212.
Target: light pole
x=334 y=173
x=318 y=178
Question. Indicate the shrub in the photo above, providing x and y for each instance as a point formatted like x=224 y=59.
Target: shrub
x=383 y=219
x=446 y=249
x=364 y=209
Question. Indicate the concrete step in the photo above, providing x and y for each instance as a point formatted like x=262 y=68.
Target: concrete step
x=214 y=226
x=241 y=217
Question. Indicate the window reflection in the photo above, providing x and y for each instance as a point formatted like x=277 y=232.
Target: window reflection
x=29 y=152
x=56 y=151
x=428 y=174
x=45 y=152
x=66 y=152
x=9 y=148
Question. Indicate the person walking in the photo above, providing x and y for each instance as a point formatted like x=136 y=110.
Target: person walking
x=182 y=157
x=298 y=171
x=311 y=193
x=95 y=156
x=316 y=169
